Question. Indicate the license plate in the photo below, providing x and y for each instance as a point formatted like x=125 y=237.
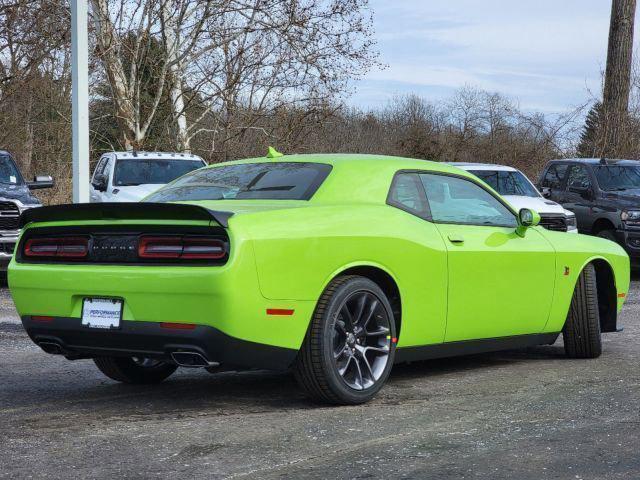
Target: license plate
x=103 y=313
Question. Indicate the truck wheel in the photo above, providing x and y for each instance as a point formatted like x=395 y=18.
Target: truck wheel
x=134 y=369
x=348 y=352
x=608 y=234
x=581 y=331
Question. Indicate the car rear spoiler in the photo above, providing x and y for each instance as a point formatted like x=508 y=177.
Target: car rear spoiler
x=123 y=211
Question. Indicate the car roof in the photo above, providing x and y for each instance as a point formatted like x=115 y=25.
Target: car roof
x=597 y=161
x=482 y=166
x=352 y=159
x=155 y=155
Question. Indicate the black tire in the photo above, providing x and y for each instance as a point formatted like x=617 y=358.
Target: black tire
x=316 y=368
x=608 y=234
x=132 y=370
x=581 y=333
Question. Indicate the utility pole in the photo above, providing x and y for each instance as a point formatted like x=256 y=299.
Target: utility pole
x=617 y=82
x=80 y=100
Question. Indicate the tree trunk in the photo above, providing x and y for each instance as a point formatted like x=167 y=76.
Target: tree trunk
x=133 y=135
x=172 y=35
x=618 y=77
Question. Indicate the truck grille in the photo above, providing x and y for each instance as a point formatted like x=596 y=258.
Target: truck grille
x=551 y=222
x=9 y=216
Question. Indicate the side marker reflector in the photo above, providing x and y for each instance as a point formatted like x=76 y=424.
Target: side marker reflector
x=279 y=311
x=622 y=295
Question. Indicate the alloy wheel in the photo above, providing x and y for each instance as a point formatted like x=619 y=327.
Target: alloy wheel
x=361 y=340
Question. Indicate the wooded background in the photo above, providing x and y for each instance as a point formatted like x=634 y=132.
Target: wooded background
x=226 y=78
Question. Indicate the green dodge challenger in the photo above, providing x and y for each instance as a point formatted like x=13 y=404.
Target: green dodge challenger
x=334 y=266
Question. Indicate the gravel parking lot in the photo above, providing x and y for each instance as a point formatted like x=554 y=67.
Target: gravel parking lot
x=521 y=414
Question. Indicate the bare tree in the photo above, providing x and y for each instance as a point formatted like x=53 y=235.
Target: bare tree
x=617 y=81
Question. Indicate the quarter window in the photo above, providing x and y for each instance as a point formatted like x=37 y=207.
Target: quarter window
x=461 y=201
x=407 y=194
x=554 y=176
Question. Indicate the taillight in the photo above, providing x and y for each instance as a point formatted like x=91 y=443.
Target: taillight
x=189 y=248
x=68 y=247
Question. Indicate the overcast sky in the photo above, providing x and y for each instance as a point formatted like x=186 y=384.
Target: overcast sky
x=546 y=54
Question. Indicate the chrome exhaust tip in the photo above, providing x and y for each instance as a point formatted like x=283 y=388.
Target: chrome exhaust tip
x=191 y=360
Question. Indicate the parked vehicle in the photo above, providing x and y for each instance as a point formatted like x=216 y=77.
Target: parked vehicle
x=15 y=198
x=336 y=266
x=131 y=176
x=519 y=191
x=604 y=194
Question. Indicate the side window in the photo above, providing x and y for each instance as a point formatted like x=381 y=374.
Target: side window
x=578 y=177
x=107 y=169
x=100 y=167
x=457 y=200
x=554 y=176
x=407 y=194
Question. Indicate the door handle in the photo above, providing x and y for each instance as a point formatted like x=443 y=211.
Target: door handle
x=456 y=239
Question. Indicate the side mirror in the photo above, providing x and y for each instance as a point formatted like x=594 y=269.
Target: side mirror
x=527 y=218
x=546 y=192
x=40 y=181
x=100 y=182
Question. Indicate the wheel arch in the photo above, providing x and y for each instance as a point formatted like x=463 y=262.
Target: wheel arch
x=383 y=278
x=602 y=224
x=607 y=293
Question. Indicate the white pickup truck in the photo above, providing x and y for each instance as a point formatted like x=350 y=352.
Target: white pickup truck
x=520 y=192
x=131 y=176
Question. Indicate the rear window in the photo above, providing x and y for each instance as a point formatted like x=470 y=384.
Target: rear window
x=263 y=181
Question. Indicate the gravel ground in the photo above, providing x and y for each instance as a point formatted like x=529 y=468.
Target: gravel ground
x=528 y=414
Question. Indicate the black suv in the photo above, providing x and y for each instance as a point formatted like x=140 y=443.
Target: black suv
x=604 y=194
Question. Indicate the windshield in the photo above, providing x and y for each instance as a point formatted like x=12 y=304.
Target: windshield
x=618 y=178
x=274 y=181
x=152 y=171
x=507 y=182
x=8 y=171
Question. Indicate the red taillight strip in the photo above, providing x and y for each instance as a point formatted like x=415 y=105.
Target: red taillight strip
x=70 y=247
x=279 y=311
x=43 y=319
x=178 y=326
x=190 y=248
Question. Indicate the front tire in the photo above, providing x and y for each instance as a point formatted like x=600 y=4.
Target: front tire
x=581 y=333
x=349 y=349
x=608 y=234
x=134 y=370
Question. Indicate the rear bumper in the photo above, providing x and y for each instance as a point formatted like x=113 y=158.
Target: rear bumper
x=149 y=339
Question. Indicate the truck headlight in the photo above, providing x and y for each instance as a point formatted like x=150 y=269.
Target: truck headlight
x=631 y=216
x=572 y=224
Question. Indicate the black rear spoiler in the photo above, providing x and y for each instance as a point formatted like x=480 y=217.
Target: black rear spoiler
x=123 y=211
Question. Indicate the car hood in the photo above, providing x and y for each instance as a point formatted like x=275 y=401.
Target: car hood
x=630 y=198
x=539 y=204
x=134 y=193
x=18 y=192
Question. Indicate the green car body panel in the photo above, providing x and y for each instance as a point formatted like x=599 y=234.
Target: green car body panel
x=283 y=253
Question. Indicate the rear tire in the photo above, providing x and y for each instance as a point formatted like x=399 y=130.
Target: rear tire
x=134 y=370
x=349 y=349
x=581 y=333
